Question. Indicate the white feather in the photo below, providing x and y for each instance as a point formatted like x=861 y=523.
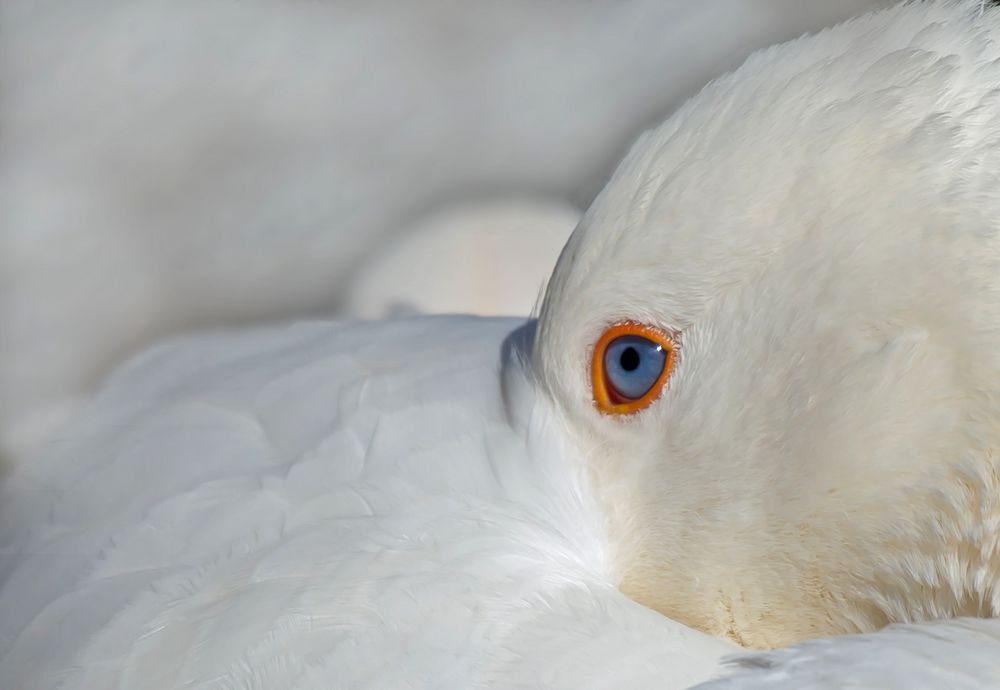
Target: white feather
x=438 y=503
x=955 y=655
x=322 y=506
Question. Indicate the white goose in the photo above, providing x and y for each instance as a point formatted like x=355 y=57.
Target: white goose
x=760 y=399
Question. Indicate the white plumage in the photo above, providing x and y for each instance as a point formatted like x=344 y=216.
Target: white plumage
x=322 y=506
x=954 y=655
x=438 y=503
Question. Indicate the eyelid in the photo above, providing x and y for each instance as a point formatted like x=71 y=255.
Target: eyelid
x=606 y=400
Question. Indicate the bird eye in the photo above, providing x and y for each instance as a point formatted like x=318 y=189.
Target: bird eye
x=631 y=364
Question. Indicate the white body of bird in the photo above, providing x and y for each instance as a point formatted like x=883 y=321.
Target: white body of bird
x=322 y=506
x=456 y=503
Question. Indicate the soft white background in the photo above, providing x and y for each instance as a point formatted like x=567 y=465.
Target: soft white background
x=167 y=165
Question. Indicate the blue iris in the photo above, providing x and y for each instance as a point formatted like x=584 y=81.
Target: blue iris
x=632 y=365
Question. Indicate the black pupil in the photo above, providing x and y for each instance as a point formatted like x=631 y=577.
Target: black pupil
x=629 y=359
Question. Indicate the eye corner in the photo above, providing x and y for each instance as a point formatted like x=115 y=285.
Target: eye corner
x=608 y=398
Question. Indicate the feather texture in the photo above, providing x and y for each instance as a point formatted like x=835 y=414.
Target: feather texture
x=321 y=506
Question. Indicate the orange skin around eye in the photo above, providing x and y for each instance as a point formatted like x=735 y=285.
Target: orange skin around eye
x=607 y=400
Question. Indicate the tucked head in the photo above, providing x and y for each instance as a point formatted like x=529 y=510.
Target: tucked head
x=810 y=247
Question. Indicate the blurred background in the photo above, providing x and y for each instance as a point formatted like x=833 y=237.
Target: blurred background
x=174 y=165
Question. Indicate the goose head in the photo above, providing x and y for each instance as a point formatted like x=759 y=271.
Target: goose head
x=775 y=337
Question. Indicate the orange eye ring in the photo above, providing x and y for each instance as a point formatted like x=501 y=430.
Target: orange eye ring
x=606 y=398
